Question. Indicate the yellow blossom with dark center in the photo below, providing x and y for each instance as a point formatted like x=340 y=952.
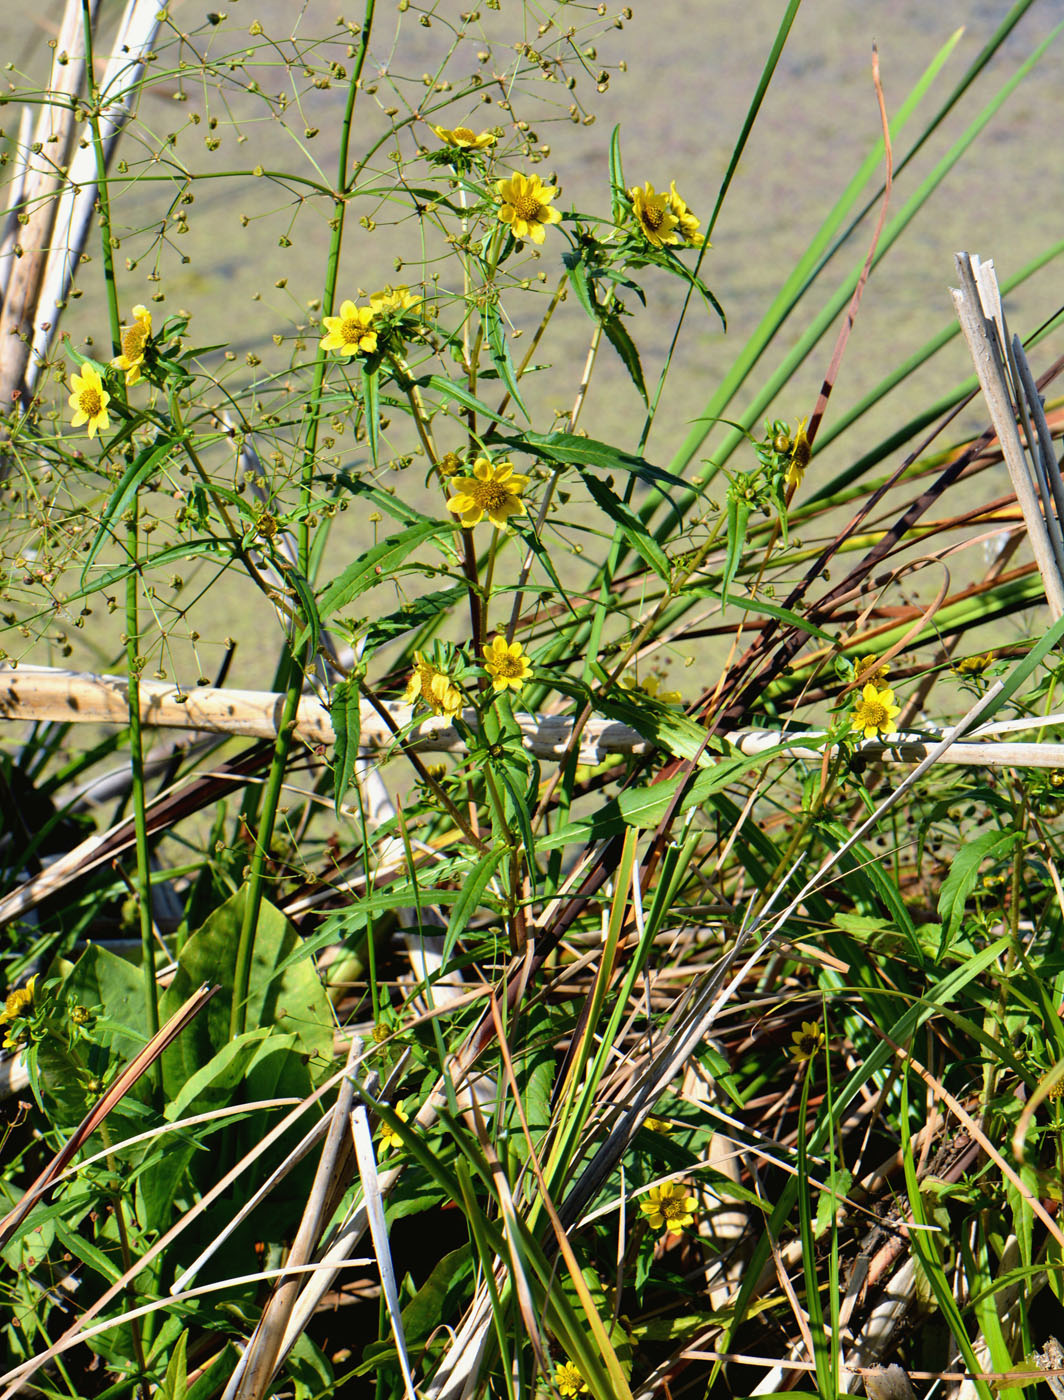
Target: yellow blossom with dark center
x=17 y=1005
x=432 y=687
x=526 y=206
x=801 y=452
x=807 y=1041
x=134 y=340
x=689 y=225
x=669 y=1207
x=568 y=1381
x=465 y=138
x=493 y=490
x=350 y=333
x=656 y=220
x=506 y=664
x=89 y=401
x=875 y=712
x=389 y=1138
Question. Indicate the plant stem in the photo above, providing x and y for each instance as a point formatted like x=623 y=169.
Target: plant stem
x=142 y=877
x=295 y=660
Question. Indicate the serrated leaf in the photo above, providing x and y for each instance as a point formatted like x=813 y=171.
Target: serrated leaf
x=377 y=564
x=458 y=394
x=963 y=876
x=630 y=526
x=415 y=614
x=589 y=452
x=623 y=343
x=738 y=515
x=346 y=716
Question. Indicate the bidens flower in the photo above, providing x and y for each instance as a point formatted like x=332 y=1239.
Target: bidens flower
x=465 y=139
x=669 y=1207
x=350 y=333
x=17 y=1004
x=389 y=1138
x=651 y=685
x=507 y=665
x=526 y=206
x=656 y=220
x=800 y=455
x=134 y=340
x=393 y=299
x=89 y=401
x=568 y=1381
x=875 y=712
x=689 y=225
x=807 y=1041
x=492 y=490
x=433 y=688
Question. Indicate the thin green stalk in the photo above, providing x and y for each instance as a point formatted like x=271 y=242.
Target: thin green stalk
x=142 y=877
x=295 y=660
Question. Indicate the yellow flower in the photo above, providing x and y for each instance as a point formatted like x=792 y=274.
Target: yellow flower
x=465 y=138
x=448 y=464
x=875 y=712
x=389 y=1137
x=689 y=225
x=526 y=206
x=89 y=401
x=871 y=669
x=800 y=455
x=658 y=1125
x=134 y=339
x=492 y=490
x=669 y=1207
x=974 y=665
x=393 y=299
x=807 y=1041
x=653 y=215
x=433 y=687
x=506 y=665
x=568 y=1381
x=17 y=1004
x=350 y=333
x=652 y=686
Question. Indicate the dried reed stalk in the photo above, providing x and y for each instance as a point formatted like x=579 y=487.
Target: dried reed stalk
x=40 y=693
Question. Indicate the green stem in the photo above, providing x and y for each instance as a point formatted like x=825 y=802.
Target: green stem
x=142 y=878
x=296 y=660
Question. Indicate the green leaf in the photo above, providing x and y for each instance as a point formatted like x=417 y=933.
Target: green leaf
x=589 y=452
x=143 y=466
x=964 y=875
x=416 y=613
x=175 y=1382
x=345 y=712
x=500 y=355
x=618 y=189
x=378 y=564
x=371 y=390
x=623 y=343
x=630 y=526
x=469 y=897
x=738 y=514
x=458 y=394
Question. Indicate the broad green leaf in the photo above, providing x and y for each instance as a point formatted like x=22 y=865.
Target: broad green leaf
x=964 y=875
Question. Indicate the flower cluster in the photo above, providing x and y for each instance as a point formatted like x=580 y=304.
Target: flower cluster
x=663 y=219
x=358 y=329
